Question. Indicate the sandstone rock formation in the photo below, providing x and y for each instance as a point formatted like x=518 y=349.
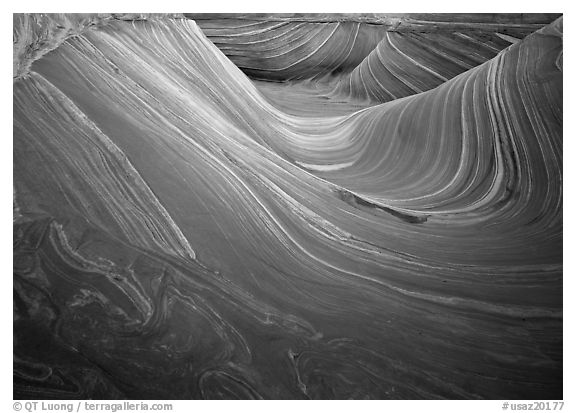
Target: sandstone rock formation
x=385 y=223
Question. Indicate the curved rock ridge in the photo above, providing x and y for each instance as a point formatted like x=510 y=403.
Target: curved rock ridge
x=389 y=56
x=292 y=50
x=406 y=63
x=487 y=118
x=178 y=235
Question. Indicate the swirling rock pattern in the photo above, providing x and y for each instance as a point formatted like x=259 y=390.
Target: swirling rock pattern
x=181 y=231
x=292 y=48
x=389 y=56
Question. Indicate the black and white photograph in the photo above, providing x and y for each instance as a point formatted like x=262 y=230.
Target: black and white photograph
x=287 y=206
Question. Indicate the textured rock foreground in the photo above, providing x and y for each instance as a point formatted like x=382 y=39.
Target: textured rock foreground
x=383 y=220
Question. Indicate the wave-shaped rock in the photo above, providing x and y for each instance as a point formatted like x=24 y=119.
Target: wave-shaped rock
x=409 y=62
x=177 y=235
x=292 y=49
x=389 y=56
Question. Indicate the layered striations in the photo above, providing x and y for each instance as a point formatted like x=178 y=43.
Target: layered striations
x=385 y=57
x=180 y=232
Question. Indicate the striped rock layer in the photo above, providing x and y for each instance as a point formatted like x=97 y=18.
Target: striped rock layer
x=179 y=235
x=385 y=57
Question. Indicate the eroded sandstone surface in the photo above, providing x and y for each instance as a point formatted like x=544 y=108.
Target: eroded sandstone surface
x=287 y=206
